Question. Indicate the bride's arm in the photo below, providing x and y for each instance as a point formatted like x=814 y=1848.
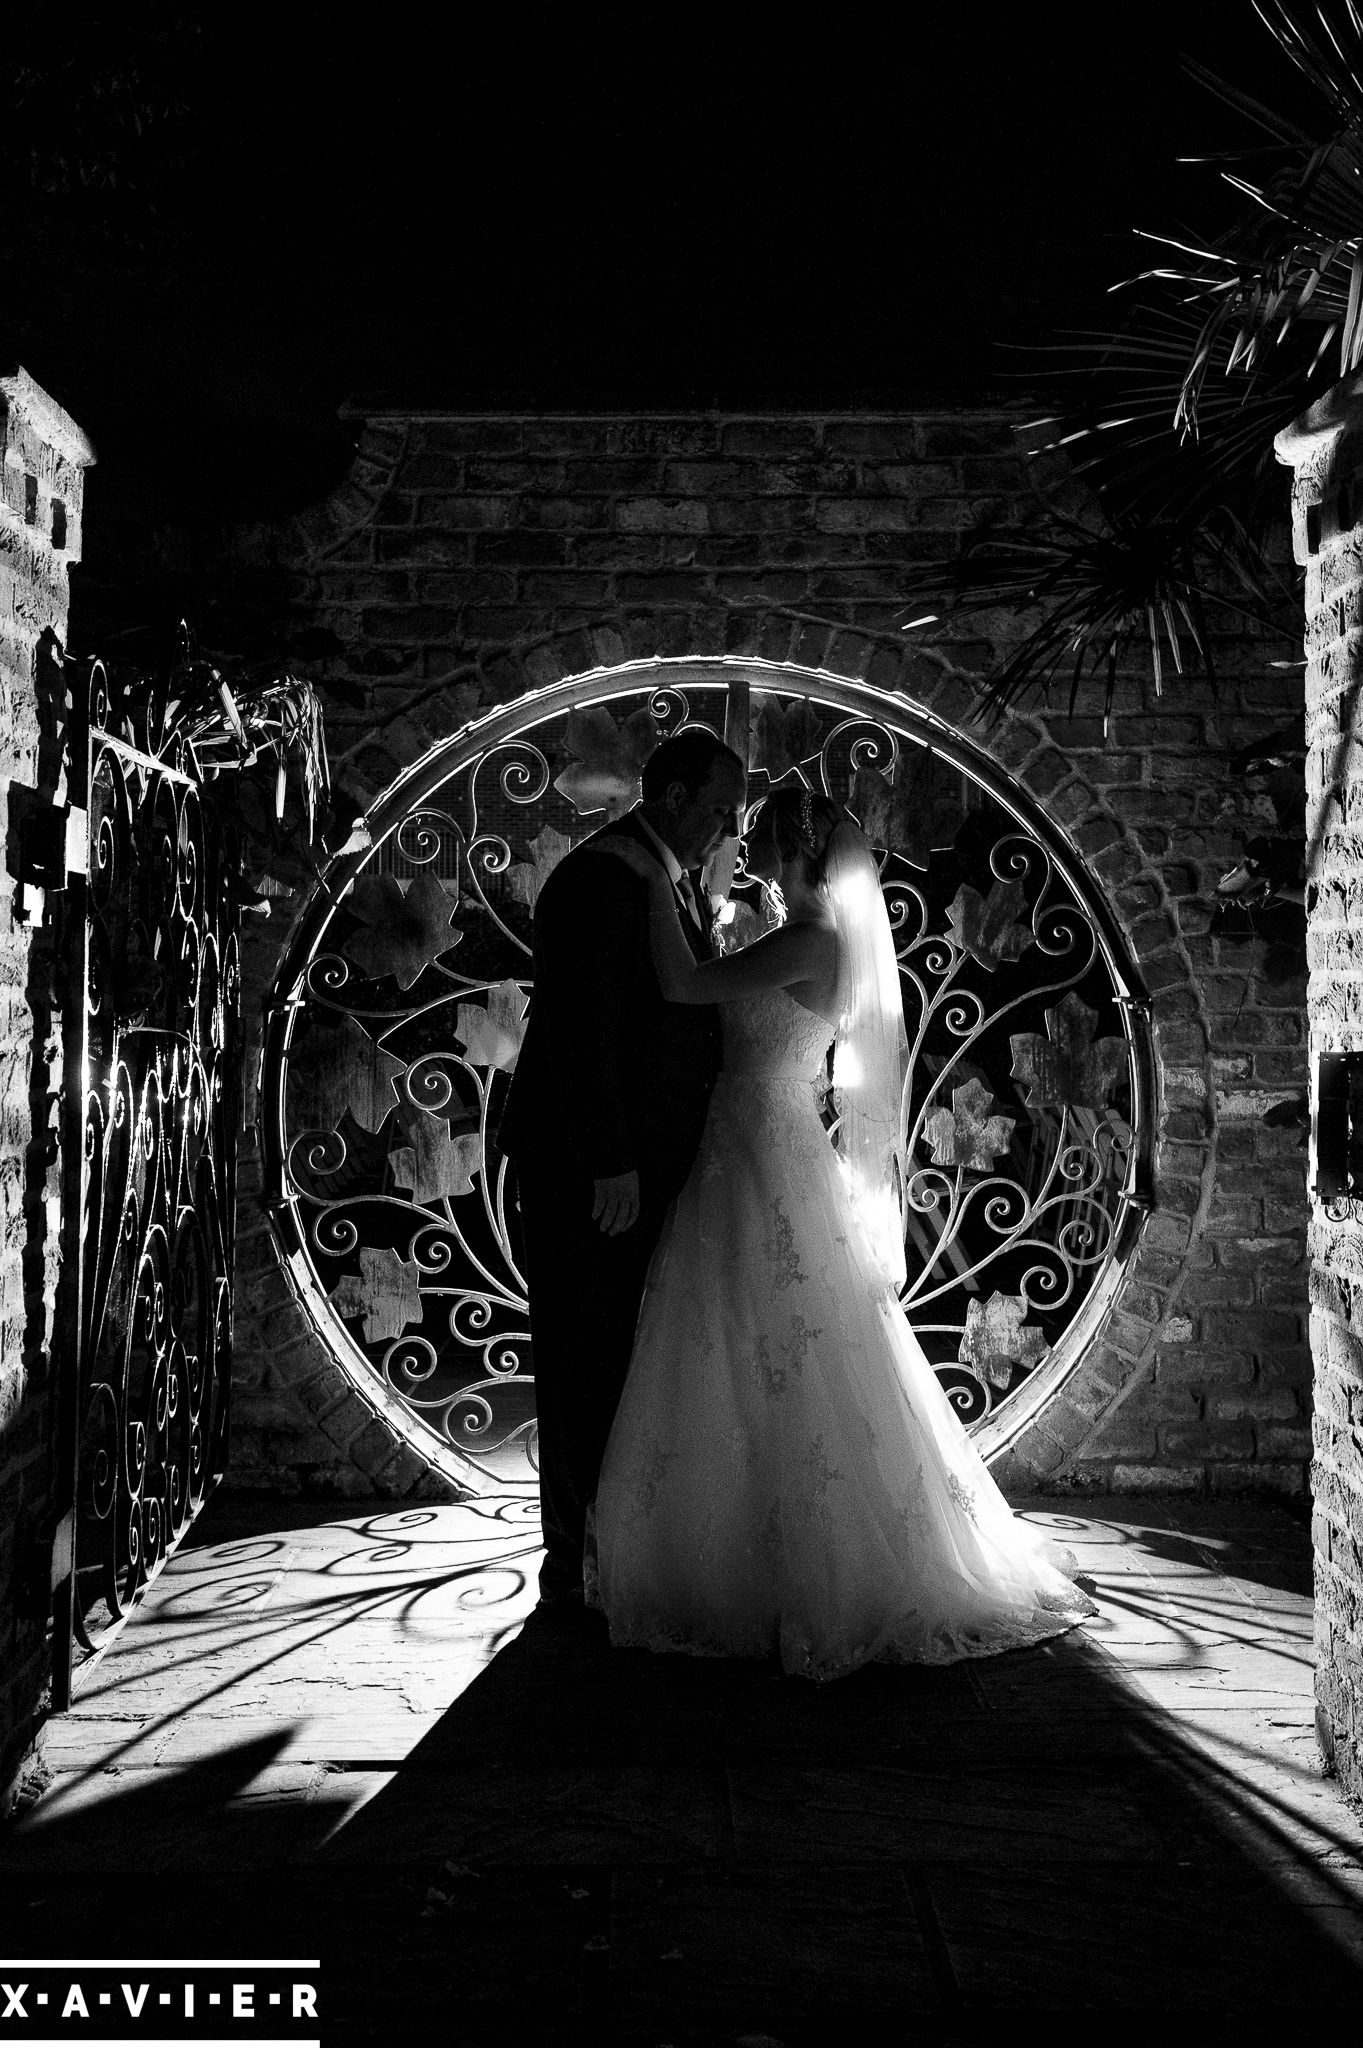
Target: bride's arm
x=792 y=954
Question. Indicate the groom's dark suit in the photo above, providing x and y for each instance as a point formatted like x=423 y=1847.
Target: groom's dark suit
x=610 y=1078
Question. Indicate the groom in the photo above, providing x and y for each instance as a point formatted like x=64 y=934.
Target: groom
x=605 y=1114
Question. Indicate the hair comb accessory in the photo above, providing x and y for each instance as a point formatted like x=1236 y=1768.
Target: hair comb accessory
x=807 y=815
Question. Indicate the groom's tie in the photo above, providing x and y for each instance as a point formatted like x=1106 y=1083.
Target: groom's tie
x=687 y=896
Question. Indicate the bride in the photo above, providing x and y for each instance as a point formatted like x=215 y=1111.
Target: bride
x=785 y=1473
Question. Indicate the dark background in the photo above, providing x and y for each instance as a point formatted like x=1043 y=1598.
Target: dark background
x=217 y=225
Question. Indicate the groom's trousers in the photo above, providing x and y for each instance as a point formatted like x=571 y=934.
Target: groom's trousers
x=585 y=1290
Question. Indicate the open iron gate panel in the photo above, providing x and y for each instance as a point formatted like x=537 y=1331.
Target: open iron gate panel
x=150 y=1114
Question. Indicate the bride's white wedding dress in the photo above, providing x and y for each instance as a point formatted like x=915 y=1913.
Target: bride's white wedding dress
x=785 y=1472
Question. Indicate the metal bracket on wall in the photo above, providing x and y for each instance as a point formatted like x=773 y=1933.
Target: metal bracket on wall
x=1339 y=1125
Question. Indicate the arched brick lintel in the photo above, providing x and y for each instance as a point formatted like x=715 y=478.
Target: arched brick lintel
x=347 y=1448
x=313 y=534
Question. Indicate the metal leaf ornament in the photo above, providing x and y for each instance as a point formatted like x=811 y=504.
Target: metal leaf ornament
x=332 y=1072
x=990 y=928
x=966 y=1134
x=782 y=736
x=606 y=760
x=997 y=1338
x=434 y=1165
x=908 y=816
x=527 y=877
x=386 y=1291
x=1066 y=1068
x=404 y=930
x=492 y=1036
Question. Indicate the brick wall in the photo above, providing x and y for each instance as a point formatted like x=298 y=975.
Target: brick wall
x=1325 y=449
x=471 y=558
x=45 y=455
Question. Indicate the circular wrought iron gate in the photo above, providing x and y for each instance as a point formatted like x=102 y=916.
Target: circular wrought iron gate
x=399 y=1009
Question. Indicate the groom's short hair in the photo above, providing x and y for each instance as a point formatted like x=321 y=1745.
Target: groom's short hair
x=688 y=757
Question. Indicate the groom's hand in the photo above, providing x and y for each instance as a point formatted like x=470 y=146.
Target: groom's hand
x=616 y=1206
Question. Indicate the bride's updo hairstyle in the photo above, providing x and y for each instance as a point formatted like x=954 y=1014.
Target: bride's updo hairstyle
x=802 y=821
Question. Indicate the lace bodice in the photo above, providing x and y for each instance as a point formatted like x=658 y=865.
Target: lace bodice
x=770 y=1033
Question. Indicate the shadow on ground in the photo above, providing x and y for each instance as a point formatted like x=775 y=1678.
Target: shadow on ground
x=598 y=1845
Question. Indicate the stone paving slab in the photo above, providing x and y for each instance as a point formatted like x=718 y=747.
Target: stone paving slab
x=1115 y=1936
x=496 y=1813
x=865 y=1812
x=249 y=1815
x=494 y=1828
x=834 y=1944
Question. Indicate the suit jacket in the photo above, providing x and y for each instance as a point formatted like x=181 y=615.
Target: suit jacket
x=610 y=1076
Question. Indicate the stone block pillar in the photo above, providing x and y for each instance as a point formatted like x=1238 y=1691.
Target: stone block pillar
x=44 y=458
x=1324 y=448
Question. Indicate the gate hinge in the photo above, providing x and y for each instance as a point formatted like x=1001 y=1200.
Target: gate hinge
x=1339 y=1125
x=63 y=1548
x=36 y=848
x=43 y=1558
x=77 y=841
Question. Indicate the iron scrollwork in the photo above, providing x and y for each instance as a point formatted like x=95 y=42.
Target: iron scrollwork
x=400 y=1010
x=158 y=1114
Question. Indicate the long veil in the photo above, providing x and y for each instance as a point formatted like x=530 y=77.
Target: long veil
x=871 y=1052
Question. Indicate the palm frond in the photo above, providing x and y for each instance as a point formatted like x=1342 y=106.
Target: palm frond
x=1299 y=244
x=1100 y=594
x=1172 y=415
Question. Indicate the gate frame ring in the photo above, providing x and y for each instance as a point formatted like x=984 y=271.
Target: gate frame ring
x=1000 y=1431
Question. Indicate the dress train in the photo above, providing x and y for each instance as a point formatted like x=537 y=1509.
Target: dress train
x=785 y=1472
